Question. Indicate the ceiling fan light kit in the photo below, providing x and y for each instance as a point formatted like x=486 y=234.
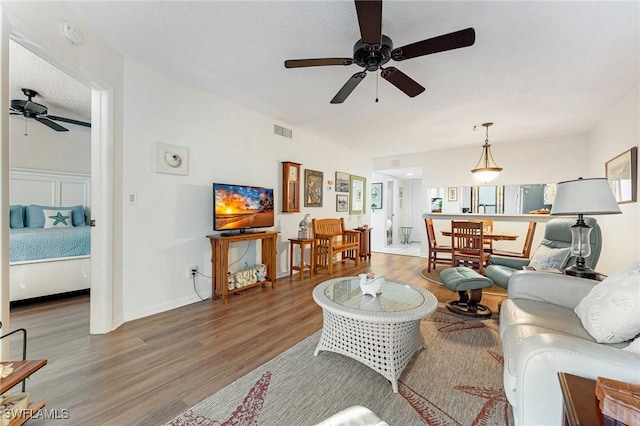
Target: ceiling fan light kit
x=486 y=170
x=375 y=49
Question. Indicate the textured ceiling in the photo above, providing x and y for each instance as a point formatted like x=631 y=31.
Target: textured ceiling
x=537 y=70
x=61 y=94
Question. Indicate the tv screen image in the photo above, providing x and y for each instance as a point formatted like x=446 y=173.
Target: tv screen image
x=239 y=207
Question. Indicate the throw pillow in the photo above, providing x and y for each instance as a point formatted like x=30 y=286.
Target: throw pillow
x=630 y=268
x=550 y=258
x=34 y=216
x=15 y=216
x=611 y=310
x=57 y=219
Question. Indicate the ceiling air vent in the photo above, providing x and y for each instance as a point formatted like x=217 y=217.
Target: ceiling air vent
x=282 y=131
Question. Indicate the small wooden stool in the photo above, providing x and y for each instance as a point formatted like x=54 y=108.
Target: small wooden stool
x=302 y=244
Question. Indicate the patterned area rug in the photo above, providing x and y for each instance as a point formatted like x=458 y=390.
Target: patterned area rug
x=433 y=276
x=456 y=380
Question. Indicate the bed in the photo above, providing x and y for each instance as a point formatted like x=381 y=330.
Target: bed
x=49 y=240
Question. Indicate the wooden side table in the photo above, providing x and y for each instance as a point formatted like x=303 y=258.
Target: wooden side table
x=220 y=261
x=365 y=242
x=302 y=243
x=580 y=404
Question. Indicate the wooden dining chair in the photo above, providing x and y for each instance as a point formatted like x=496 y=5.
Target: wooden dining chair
x=467 y=243
x=526 y=249
x=435 y=249
x=487 y=227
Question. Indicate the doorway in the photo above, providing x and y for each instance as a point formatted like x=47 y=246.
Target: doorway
x=403 y=216
x=101 y=170
x=50 y=165
x=390 y=213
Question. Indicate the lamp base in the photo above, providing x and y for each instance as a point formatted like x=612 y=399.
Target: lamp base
x=582 y=272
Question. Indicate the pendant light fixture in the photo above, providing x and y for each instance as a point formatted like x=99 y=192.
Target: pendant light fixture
x=486 y=170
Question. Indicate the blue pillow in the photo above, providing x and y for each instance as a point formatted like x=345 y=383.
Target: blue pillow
x=34 y=217
x=15 y=216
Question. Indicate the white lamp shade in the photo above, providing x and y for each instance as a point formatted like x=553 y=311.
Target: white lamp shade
x=584 y=196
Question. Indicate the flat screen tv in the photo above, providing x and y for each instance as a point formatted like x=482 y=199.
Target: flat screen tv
x=241 y=207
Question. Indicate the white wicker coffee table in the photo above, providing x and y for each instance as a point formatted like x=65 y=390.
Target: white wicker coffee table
x=381 y=332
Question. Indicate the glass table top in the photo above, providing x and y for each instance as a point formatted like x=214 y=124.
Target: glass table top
x=393 y=297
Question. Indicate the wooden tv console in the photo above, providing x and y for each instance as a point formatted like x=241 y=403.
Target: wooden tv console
x=220 y=260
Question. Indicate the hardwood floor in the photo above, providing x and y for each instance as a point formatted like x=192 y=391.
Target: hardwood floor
x=150 y=370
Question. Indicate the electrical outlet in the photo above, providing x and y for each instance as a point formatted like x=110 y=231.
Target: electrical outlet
x=191 y=270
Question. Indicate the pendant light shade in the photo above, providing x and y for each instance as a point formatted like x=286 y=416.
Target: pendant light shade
x=486 y=170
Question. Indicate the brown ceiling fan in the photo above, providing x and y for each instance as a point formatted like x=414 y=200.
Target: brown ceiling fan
x=375 y=49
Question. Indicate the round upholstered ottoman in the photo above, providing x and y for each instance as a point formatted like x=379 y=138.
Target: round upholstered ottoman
x=469 y=284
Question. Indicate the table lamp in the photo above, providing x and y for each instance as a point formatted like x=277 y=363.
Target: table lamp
x=583 y=197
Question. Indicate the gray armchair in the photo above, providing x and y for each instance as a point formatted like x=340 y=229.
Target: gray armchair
x=557 y=234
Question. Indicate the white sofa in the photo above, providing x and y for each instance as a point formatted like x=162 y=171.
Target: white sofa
x=542 y=335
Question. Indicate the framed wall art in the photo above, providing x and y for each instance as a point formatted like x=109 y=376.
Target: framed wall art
x=376 y=196
x=342 y=182
x=342 y=202
x=622 y=174
x=452 y=193
x=358 y=197
x=172 y=159
x=313 y=188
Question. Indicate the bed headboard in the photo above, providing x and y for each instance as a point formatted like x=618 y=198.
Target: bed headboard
x=49 y=188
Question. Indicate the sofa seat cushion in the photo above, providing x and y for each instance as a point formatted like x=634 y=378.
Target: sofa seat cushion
x=541 y=314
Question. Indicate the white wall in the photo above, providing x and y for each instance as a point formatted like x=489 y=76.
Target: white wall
x=46 y=149
x=165 y=231
x=616 y=132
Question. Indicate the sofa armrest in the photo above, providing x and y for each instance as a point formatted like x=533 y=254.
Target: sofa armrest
x=543 y=356
x=558 y=289
x=511 y=262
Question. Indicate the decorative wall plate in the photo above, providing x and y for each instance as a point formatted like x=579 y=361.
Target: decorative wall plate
x=172 y=159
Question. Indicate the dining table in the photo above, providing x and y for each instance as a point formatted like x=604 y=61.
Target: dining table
x=496 y=236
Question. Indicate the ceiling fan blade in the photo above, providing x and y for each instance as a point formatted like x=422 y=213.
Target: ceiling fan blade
x=51 y=124
x=348 y=87
x=370 y=20
x=69 y=120
x=402 y=81
x=455 y=40
x=298 y=63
